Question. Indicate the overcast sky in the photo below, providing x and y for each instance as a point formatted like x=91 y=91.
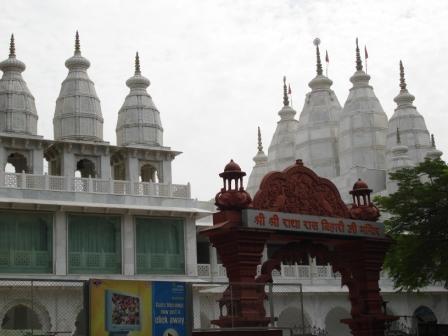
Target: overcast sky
x=216 y=67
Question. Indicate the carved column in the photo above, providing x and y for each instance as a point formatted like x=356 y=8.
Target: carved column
x=368 y=319
x=241 y=251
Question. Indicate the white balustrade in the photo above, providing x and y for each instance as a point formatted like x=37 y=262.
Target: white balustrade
x=204 y=270
x=92 y=185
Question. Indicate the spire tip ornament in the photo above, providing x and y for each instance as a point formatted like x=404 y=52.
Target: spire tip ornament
x=12 y=47
x=316 y=42
x=433 y=142
x=77 y=44
x=260 y=145
x=285 y=93
x=137 y=64
x=402 y=79
x=358 y=58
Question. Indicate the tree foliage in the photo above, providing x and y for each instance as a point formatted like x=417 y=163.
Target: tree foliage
x=418 y=223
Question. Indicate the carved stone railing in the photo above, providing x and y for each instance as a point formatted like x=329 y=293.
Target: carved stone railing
x=288 y=272
x=92 y=185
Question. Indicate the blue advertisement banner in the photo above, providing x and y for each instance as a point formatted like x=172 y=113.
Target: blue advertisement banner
x=169 y=309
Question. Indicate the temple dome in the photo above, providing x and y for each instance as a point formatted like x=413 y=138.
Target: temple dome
x=78 y=111
x=17 y=107
x=316 y=140
x=281 y=152
x=139 y=119
x=232 y=166
x=362 y=126
x=411 y=123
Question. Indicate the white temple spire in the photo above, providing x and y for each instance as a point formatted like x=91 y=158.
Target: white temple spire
x=139 y=121
x=399 y=160
x=316 y=138
x=78 y=111
x=260 y=168
x=17 y=106
x=281 y=153
x=362 y=126
x=414 y=133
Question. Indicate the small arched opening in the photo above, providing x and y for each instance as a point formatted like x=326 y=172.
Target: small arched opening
x=148 y=173
x=86 y=168
x=21 y=317
x=291 y=319
x=333 y=324
x=423 y=320
x=81 y=324
x=19 y=162
x=117 y=162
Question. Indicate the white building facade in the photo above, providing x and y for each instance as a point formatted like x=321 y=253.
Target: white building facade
x=101 y=211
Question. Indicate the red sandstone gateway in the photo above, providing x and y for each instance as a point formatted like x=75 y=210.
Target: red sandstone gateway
x=306 y=214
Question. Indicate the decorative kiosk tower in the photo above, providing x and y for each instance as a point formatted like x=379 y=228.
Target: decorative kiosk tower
x=306 y=215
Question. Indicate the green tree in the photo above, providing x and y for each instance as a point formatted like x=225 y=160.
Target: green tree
x=418 y=223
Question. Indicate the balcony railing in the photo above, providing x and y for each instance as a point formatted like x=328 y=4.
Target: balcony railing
x=91 y=262
x=92 y=185
x=286 y=271
x=25 y=261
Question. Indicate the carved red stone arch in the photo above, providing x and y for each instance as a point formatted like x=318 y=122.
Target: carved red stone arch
x=298 y=189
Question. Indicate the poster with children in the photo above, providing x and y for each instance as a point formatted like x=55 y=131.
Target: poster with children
x=134 y=308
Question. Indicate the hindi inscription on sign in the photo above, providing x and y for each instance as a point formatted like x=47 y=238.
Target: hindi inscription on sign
x=283 y=221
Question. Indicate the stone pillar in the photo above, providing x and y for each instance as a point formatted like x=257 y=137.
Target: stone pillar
x=165 y=174
x=128 y=245
x=3 y=158
x=60 y=251
x=241 y=251
x=106 y=169
x=68 y=164
x=362 y=277
x=191 y=263
x=196 y=309
x=38 y=162
x=132 y=169
x=213 y=262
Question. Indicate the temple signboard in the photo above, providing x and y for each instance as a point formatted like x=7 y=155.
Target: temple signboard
x=282 y=221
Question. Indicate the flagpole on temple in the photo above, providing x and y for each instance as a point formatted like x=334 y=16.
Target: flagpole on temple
x=327 y=61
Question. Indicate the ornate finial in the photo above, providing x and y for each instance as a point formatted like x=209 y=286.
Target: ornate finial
x=12 y=47
x=316 y=42
x=358 y=58
x=299 y=162
x=402 y=80
x=433 y=142
x=398 y=136
x=285 y=93
x=260 y=145
x=77 y=44
x=137 y=64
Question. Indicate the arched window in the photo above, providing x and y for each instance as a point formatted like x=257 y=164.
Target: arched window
x=291 y=317
x=333 y=323
x=86 y=168
x=81 y=324
x=424 y=314
x=21 y=317
x=117 y=161
x=148 y=173
x=19 y=162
